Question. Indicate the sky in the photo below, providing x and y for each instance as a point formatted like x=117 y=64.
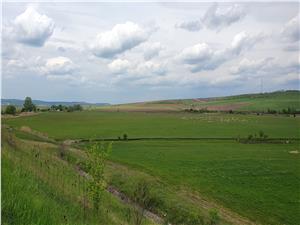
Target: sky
x=131 y=52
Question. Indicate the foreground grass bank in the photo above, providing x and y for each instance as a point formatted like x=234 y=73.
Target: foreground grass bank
x=38 y=187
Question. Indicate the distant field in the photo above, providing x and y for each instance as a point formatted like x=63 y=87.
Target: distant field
x=94 y=124
x=260 y=181
x=248 y=102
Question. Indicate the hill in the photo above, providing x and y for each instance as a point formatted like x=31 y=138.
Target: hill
x=19 y=102
x=278 y=101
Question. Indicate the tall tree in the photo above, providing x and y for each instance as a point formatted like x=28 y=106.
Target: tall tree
x=28 y=105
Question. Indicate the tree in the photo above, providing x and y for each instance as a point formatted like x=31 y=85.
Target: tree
x=97 y=155
x=28 y=106
x=11 y=109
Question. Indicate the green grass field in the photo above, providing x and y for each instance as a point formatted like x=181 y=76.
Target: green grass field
x=94 y=124
x=260 y=181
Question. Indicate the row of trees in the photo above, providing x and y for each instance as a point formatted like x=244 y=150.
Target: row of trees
x=29 y=106
x=71 y=108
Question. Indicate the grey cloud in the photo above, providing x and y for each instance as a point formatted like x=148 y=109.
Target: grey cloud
x=291 y=30
x=194 y=25
x=217 y=18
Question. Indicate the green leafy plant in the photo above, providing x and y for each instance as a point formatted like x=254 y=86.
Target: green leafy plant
x=97 y=156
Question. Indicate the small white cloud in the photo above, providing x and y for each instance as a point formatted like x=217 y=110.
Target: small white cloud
x=32 y=28
x=119 y=66
x=121 y=38
x=150 y=68
x=217 y=18
x=59 y=66
x=291 y=30
x=193 y=25
x=244 y=41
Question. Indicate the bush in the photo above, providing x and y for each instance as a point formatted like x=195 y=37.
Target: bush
x=214 y=217
x=11 y=109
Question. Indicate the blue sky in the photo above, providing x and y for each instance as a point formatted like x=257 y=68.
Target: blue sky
x=129 y=52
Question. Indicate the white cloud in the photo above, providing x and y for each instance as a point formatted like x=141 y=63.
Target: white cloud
x=203 y=57
x=193 y=25
x=217 y=18
x=251 y=67
x=121 y=38
x=59 y=66
x=150 y=68
x=270 y=68
x=151 y=49
x=119 y=66
x=291 y=30
x=32 y=28
x=244 y=41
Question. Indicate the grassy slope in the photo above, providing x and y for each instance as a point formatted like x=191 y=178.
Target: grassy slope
x=46 y=190
x=93 y=124
x=249 y=102
x=259 y=181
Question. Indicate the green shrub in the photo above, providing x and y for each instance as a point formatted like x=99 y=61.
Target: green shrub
x=11 y=109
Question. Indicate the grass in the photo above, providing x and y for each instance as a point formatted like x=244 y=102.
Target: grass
x=94 y=124
x=259 y=181
x=40 y=188
x=249 y=102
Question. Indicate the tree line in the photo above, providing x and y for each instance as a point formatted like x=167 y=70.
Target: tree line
x=29 y=106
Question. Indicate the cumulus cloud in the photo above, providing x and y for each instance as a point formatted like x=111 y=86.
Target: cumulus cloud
x=119 y=66
x=121 y=38
x=149 y=68
x=203 y=57
x=271 y=68
x=244 y=41
x=32 y=28
x=247 y=66
x=193 y=25
x=151 y=49
x=291 y=30
x=217 y=18
x=59 y=66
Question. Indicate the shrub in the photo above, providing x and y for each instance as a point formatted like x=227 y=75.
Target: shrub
x=11 y=109
x=214 y=217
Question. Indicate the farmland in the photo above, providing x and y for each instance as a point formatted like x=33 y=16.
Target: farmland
x=194 y=162
x=249 y=102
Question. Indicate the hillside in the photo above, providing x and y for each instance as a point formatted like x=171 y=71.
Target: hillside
x=278 y=100
x=19 y=102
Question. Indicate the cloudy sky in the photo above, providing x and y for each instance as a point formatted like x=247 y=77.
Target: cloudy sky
x=129 y=52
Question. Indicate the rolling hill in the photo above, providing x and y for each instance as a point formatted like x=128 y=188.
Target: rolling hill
x=278 y=100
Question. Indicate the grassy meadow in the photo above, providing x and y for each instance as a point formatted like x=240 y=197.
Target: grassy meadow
x=244 y=182
x=94 y=124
